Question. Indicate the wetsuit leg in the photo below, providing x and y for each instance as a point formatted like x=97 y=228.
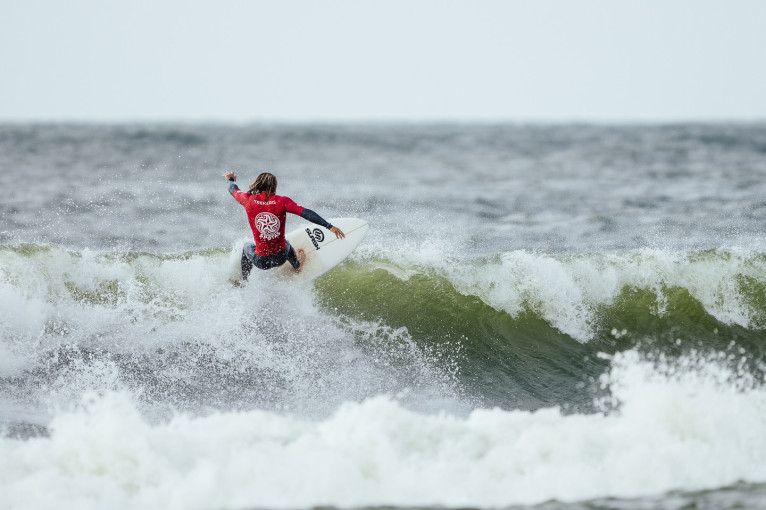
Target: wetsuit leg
x=292 y=256
x=246 y=263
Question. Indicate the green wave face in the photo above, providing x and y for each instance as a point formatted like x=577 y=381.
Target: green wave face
x=513 y=350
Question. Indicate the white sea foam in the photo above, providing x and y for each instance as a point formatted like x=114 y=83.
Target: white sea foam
x=686 y=430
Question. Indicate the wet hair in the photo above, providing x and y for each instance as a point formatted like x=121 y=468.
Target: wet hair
x=264 y=183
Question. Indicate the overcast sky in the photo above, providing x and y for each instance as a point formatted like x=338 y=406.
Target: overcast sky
x=351 y=60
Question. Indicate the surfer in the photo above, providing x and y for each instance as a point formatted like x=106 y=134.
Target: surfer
x=266 y=214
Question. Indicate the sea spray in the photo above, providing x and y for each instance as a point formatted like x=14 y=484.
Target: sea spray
x=178 y=332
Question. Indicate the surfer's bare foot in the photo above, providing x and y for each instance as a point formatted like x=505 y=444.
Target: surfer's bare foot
x=301 y=258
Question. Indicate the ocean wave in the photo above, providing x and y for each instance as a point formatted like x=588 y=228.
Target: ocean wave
x=518 y=329
x=582 y=296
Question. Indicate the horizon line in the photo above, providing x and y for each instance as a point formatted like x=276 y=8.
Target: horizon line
x=381 y=121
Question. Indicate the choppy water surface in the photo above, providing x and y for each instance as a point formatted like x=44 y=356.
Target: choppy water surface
x=541 y=316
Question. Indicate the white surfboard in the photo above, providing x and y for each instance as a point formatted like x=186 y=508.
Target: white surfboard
x=323 y=250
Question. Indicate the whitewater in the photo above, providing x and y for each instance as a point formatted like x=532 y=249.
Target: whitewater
x=541 y=316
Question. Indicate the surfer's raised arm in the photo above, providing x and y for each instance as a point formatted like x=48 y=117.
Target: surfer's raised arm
x=232 y=178
x=266 y=213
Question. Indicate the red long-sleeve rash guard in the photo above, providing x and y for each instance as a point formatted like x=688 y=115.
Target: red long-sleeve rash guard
x=266 y=216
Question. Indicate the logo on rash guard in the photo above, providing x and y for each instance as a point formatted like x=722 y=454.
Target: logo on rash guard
x=268 y=225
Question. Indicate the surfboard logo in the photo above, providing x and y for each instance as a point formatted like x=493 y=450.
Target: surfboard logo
x=317 y=236
x=267 y=225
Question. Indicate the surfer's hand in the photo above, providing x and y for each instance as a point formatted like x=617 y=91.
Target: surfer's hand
x=338 y=232
x=230 y=176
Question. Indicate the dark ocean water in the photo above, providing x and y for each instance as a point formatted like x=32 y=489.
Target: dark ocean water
x=565 y=316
